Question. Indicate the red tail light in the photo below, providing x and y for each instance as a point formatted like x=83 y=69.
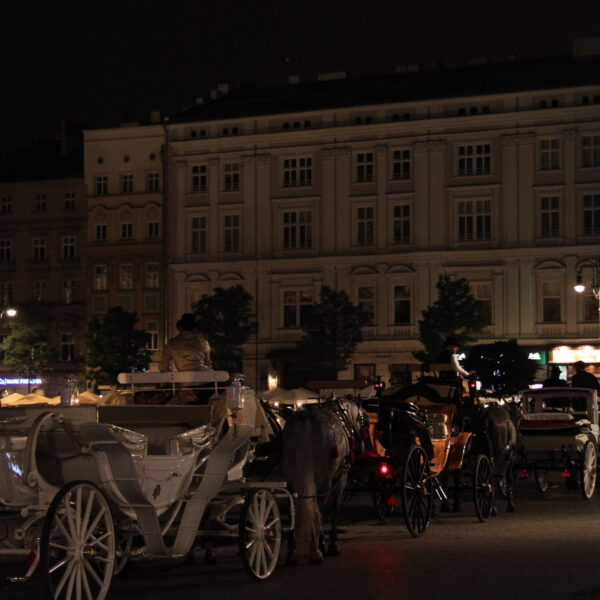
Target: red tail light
x=566 y=473
x=384 y=469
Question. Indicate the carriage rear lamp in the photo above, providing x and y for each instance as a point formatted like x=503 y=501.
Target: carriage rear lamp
x=384 y=469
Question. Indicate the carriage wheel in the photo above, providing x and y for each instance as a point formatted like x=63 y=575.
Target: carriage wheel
x=78 y=544
x=417 y=491
x=589 y=462
x=123 y=544
x=541 y=480
x=483 y=487
x=260 y=534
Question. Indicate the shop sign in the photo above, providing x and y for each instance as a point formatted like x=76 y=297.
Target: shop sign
x=20 y=381
x=566 y=354
x=539 y=355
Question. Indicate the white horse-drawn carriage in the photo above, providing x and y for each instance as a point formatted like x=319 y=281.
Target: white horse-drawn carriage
x=83 y=489
x=560 y=432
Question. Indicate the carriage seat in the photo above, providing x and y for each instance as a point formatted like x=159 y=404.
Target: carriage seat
x=164 y=429
x=439 y=422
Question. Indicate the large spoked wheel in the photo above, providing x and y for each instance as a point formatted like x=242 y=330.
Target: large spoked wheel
x=589 y=462
x=77 y=554
x=417 y=491
x=483 y=487
x=541 y=480
x=260 y=534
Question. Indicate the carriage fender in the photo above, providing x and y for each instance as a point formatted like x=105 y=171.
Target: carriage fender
x=459 y=448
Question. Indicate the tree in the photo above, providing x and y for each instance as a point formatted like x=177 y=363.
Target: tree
x=503 y=367
x=27 y=347
x=332 y=330
x=116 y=346
x=455 y=313
x=226 y=320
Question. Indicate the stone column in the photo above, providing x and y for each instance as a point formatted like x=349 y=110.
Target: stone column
x=526 y=200
x=422 y=193
x=510 y=189
x=264 y=226
x=328 y=214
x=569 y=199
x=381 y=156
x=215 y=225
x=249 y=219
x=342 y=200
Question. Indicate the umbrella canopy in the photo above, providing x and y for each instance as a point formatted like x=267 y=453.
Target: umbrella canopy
x=30 y=399
x=302 y=395
x=11 y=399
x=89 y=398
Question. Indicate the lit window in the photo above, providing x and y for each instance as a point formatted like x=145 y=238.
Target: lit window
x=152 y=275
x=100 y=277
x=68 y=288
x=126 y=276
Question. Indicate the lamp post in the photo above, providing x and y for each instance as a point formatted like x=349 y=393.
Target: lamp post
x=8 y=312
x=580 y=287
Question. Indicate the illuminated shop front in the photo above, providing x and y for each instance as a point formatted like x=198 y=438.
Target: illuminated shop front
x=565 y=356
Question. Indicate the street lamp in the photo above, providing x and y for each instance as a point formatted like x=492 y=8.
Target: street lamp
x=8 y=312
x=580 y=286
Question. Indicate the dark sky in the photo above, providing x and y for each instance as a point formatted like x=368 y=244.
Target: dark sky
x=101 y=62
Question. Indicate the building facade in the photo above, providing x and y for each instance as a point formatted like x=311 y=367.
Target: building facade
x=123 y=173
x=42 y=256
x=379 y=186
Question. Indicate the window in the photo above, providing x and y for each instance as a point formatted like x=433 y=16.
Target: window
x=127 y=183
x=126 y=277
x=6 y=205
x=5 y=250
x=40 y=203
x=68 y=246
x=364 y=167
x=67 y=346
x=295 y=303
x=365 y=222
x=590 y=151
x=5 y=293
x=474 y=159
x=68 y=288
x=126 y=231
x=39 y=248
x=100 y=277
x=297 y=229
x=551 y=299
x=483 y=293
x=150 y=303
x=40 y=290
x=152 y=331
x=231 y=180
x=69 y=201
x=549 y=154
x=199 y=178
x=199 y=234
x=590 y=308
x=366 y=304
x=99 y=304
x=232 y=233
x=401 y=224
x=297 y=171
x=152 y=275
x=550 y=216
x=153 y=181
x=101 y=185
x=153 y=230
x=474 y=220
x=401 y=164
x=591 y=214
x=101 y=232
x=402 y=314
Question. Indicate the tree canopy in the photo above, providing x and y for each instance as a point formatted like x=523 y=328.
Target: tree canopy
x=226 y=320
x=115 y=345
x=27 y=347
x=503 y=367
x=455 y=313
x=332 y=330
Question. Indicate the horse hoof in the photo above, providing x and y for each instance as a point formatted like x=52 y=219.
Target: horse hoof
x=456 y=508
x=444 y=507
x=333 y=551
x=510 y=507
x=317 y=560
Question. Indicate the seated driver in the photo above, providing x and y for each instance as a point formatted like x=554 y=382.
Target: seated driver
x=188 y=351
x=449 y=356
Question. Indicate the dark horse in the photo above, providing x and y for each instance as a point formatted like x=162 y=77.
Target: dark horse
x=317 y=445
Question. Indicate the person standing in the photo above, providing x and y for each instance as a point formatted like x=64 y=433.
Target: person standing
x=583 y=378
x=449 y=356
x=554 y=380
x=187 y=351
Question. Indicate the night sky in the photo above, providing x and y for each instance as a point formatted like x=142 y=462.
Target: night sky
x=104 y=62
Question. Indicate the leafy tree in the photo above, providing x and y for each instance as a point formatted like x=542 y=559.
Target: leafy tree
x=27 y=347
x=503 y=367
x=332 y=330
x=455 y=313
x=116 y=346
x=226 y=320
